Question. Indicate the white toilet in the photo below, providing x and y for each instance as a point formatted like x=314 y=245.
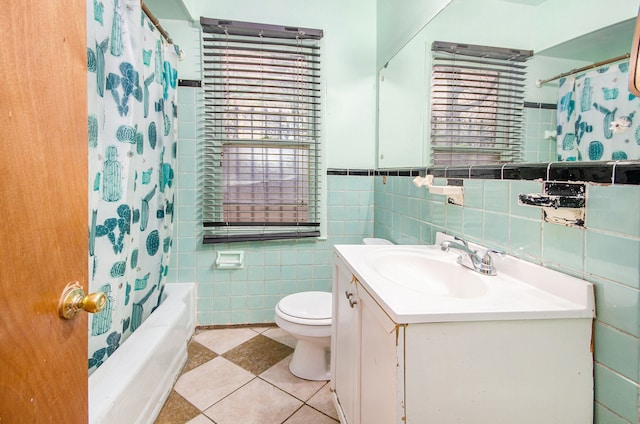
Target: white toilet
x=307 y=317
x=375 y=240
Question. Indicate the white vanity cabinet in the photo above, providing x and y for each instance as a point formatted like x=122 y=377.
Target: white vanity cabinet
x=381 y=352
x=388 y=370
x=366 y=377
x=345 y=338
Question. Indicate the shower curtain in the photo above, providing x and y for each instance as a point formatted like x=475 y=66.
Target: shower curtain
x=598 y=117
x=132 y=75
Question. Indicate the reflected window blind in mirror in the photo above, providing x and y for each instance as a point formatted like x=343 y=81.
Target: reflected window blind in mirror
x=477 y=103
x=262 y=142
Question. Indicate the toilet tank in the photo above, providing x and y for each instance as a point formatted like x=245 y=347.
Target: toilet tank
x=375 y=240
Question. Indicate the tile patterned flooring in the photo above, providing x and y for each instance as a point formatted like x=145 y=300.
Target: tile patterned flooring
x=241 y=376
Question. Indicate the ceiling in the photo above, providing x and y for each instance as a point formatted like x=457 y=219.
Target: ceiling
x=169 y=9
x=175 y=9
x=596 y=46
x=526 y=2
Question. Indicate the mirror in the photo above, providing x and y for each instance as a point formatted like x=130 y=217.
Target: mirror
x=593 y=33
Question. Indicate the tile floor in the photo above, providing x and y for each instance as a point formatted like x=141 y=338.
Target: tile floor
x=241 y=376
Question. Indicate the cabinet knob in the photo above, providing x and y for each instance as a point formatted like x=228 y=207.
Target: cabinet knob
x=348 y=294
x=353 y=303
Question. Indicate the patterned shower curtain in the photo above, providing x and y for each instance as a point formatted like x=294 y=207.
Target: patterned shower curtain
x=132 y=147
x=598 y=117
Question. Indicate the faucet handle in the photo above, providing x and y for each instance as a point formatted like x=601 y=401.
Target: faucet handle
x=466 y=244
x=487 y=258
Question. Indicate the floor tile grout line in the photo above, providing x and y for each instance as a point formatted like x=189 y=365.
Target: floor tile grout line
x=292 y=414
x=321 y=412
x=227 y=395
x=291 y=394
x=303 y=401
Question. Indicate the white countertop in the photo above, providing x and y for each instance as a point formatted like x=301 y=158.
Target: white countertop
x=520 y=291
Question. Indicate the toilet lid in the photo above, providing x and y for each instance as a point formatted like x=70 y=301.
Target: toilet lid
x=307 y=305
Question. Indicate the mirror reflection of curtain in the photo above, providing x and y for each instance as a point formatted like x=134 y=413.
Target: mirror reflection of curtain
x=598 y=118
x=132 y=144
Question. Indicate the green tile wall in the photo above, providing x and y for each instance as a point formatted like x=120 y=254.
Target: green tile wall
x=536 y=147
x=606 y=253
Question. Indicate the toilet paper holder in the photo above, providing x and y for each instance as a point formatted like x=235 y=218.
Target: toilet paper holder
x=561 y=203
x=454 y=194
x=229 y=259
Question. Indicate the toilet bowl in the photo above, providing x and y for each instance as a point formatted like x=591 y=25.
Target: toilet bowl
x=307 y=317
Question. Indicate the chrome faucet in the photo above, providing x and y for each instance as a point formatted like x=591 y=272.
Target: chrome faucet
x=470 y=258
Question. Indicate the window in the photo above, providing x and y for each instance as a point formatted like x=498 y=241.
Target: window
x=262 y=98
x=477 y=101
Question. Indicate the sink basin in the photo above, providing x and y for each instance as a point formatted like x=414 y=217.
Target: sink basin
x=429 y=272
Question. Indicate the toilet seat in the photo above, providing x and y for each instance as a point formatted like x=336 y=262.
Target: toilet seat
x=308 y=308
x=307 y=317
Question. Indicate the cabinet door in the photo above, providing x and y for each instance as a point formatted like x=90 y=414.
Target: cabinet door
x=382 y=394
x=345 y=339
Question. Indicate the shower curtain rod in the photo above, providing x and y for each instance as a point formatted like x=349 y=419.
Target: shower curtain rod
x=539 y=83
x=155 y=22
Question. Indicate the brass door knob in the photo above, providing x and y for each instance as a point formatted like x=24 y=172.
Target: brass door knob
x=74 y=300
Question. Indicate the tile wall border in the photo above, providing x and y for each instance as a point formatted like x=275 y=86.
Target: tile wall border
x=612 y=172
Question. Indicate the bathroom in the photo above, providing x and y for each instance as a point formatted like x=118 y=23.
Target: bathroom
x=361 y=203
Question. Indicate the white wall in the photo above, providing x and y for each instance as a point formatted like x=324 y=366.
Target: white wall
x=348 y=64
x=402 y=94
x=187 y=36
x=557 y=21
x=400 y=21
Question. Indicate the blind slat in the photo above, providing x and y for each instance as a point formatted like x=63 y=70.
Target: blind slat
x=208 y=38
x=247 y=86
x=459 y=68
x=224 y=60
x=272 y=66
x=230 y=101
x=218 y=44
x=247 y=89
x=438 y=111
x=251 y=81
x=451 y=88
x=281 y=142
x=263 y=75
x=507 y=65
x=254 y=112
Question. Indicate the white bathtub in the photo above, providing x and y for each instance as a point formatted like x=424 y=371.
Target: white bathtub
x=132 y=385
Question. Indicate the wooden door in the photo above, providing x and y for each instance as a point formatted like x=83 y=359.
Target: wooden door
x=43 y=211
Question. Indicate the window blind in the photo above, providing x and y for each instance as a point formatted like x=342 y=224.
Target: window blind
x=262 y=142
x=477 y=103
